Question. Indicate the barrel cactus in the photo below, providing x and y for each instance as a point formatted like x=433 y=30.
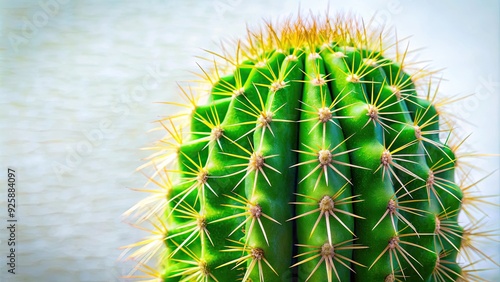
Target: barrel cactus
x=317 y=153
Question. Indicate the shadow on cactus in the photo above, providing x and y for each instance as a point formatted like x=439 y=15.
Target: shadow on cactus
x=319 y=153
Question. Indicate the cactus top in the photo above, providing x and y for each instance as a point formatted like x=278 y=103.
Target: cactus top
x=313 y=157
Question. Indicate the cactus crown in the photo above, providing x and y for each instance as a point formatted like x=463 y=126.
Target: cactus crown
x=313 y=157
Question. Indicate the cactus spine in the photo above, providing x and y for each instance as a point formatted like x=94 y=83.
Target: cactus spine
x=314 y=158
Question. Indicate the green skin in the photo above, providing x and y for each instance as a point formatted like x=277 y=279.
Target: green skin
x=274 y=199
x=451 y=196
x=422 y=223
x=375 y=190
x=313 y=137
x=362 y=188
x=220 y=165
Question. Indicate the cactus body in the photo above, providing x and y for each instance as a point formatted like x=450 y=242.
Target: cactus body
x=314 y=159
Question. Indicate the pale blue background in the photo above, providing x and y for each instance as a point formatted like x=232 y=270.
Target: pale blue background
x=79 y=68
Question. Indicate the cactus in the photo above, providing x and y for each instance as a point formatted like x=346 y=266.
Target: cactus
x=313 y=157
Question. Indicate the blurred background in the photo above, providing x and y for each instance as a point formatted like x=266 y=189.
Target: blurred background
x=79 y=82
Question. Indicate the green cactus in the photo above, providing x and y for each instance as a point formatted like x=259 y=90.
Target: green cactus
x=313 y=158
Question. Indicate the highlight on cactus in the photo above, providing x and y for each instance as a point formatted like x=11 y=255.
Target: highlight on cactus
x=315 y=151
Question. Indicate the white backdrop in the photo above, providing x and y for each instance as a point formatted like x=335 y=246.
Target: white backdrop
x=79 y=82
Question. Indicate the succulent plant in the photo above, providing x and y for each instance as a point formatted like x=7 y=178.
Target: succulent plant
x=317 y=153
